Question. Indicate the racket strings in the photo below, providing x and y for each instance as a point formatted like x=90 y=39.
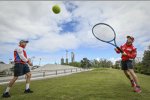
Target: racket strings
x=103 y=32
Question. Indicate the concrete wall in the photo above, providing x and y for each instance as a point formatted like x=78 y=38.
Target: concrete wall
x=4 y=67
x=53 y=67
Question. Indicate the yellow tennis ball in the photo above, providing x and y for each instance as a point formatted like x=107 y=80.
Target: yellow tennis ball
x=56 y=9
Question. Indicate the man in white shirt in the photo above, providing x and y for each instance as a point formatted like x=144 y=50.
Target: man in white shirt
x=21 y=68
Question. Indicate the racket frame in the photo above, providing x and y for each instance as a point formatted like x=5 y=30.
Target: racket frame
x=110 y=42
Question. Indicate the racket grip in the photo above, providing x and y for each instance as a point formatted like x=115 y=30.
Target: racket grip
x=119 y=49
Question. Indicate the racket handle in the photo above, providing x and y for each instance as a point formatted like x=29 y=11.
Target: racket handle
x=119 y=49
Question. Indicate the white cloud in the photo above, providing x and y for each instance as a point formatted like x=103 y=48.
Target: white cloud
x=127 y=18
x=55 y=42
x=35 y=21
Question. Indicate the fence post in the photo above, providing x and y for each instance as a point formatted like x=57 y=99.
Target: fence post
x=71 y=70
x=76 y=69
x=56 y=72
x=43 y=74
x=64 y=71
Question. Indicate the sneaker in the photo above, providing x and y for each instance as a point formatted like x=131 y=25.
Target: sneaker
x=137 y=89
x=133 y=84
x=6 y=95
x=28 y=91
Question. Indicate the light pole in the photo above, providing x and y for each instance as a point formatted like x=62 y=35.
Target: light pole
x=66 y=56
x=40 y=61
x=10 y=61
x=32 y=58
x=72 y=57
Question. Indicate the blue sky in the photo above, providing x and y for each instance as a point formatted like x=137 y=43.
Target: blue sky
x=51 y=34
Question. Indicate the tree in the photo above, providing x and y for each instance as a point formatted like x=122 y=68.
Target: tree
x=85 y=63
x=117 y=64
x=75 y=64
x=146 y=62
x=101 y=63
x=105 y=63
x=95 y=63
x=138 y=67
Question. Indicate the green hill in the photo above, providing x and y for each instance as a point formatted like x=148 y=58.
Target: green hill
x=99 y=84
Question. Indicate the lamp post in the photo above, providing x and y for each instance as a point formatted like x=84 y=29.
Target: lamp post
x=66 y=56
x=40 y=62
x=32 y=58
x=10 y=61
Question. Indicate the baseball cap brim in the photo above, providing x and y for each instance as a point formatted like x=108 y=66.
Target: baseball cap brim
x=24 y=41
x=129 y=37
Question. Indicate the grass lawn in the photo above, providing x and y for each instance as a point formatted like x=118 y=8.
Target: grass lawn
x=99 y=84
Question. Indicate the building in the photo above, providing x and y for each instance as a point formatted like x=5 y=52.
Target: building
x=62 y=61
x=66 y=56
x=66 y=60
x=72 y=57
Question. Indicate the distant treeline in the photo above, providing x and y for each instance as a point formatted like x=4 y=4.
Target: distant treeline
x=86 y=63
x=142 y=67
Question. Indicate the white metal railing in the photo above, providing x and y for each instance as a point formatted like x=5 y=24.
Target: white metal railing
x=45 y=73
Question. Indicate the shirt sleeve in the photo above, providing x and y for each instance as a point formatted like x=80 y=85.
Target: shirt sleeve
x=118 y=51
x=21 y=55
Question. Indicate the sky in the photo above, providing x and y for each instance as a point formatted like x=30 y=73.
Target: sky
x=50 y=35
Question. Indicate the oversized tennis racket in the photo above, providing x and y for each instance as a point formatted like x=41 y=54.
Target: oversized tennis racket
x=105 y=33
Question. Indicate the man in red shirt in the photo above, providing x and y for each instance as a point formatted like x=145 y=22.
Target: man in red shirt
x=129 y=53
x=21 y=68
